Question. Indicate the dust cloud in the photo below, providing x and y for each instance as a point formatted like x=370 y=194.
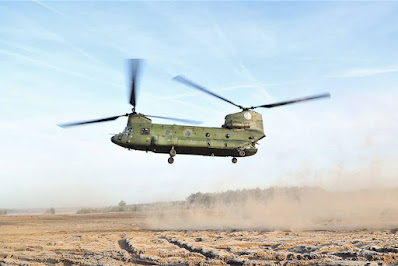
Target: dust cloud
x=282 y=208
x=333 y=199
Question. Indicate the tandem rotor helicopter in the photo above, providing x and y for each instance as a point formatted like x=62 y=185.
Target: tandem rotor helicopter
x=237 y=137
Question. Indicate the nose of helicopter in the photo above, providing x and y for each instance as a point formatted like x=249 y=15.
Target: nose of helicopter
x=114 y=139
x=117 y=139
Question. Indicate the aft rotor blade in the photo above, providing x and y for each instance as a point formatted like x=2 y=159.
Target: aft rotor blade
x=196 y=86
x=91 y=121
x=324 y=95
x=193 y=122
x=134 y=66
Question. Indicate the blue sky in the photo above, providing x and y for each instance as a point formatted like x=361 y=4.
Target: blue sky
x=64 y=61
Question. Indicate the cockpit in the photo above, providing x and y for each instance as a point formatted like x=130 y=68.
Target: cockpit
x=128 y=130
x=123 y=135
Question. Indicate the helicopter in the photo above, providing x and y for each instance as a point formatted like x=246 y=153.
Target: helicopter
x=237 y=137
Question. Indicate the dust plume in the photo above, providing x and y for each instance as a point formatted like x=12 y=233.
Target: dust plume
x=338 y=198
x=282 y=208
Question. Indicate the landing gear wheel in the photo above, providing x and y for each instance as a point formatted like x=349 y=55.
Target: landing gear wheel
x=234 y=160
x=172 y=152
x=171 y=160
x=242 y=153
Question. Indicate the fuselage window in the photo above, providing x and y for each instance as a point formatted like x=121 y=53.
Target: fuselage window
x=145 y=131
x=207 y=134
x=167 y=132
x=227 y=136
x=187 y=133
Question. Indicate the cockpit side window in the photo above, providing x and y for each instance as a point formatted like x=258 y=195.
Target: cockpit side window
x=145 y=131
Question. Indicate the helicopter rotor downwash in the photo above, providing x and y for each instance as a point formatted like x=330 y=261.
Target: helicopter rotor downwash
x=237 y=137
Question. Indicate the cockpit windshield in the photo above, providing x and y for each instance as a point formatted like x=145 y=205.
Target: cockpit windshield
x=128 y=130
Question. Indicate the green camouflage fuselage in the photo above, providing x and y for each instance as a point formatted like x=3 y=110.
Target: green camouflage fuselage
x=240 y=132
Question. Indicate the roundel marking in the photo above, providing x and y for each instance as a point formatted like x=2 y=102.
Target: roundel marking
x=247 y=115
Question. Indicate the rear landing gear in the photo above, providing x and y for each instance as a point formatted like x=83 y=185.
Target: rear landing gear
x=172 y=152
x=234 y=160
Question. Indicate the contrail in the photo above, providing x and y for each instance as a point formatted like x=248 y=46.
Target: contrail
x=50 y=8
x=52 y=67
x=69 y=44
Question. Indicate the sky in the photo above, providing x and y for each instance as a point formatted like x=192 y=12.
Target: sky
x=65 y=61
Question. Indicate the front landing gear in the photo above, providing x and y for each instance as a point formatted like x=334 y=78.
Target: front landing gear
x=171 y=160
x=234 y=160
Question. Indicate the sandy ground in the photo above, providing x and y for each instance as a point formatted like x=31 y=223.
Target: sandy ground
x=121 y=239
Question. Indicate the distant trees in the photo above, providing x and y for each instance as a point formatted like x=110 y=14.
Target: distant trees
x=3 y=212
x=210 y=200
x=87 y=210
x=50 y=211
x=236 y=197
x=204 y=200
x=122 y=206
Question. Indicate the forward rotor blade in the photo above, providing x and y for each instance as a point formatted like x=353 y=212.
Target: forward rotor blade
x=196 y=86
x=134 y=66
x=91 y=121
x=324 y=95
x=193 y=122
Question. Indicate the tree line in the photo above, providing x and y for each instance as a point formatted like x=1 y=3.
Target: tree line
x=207 y=200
